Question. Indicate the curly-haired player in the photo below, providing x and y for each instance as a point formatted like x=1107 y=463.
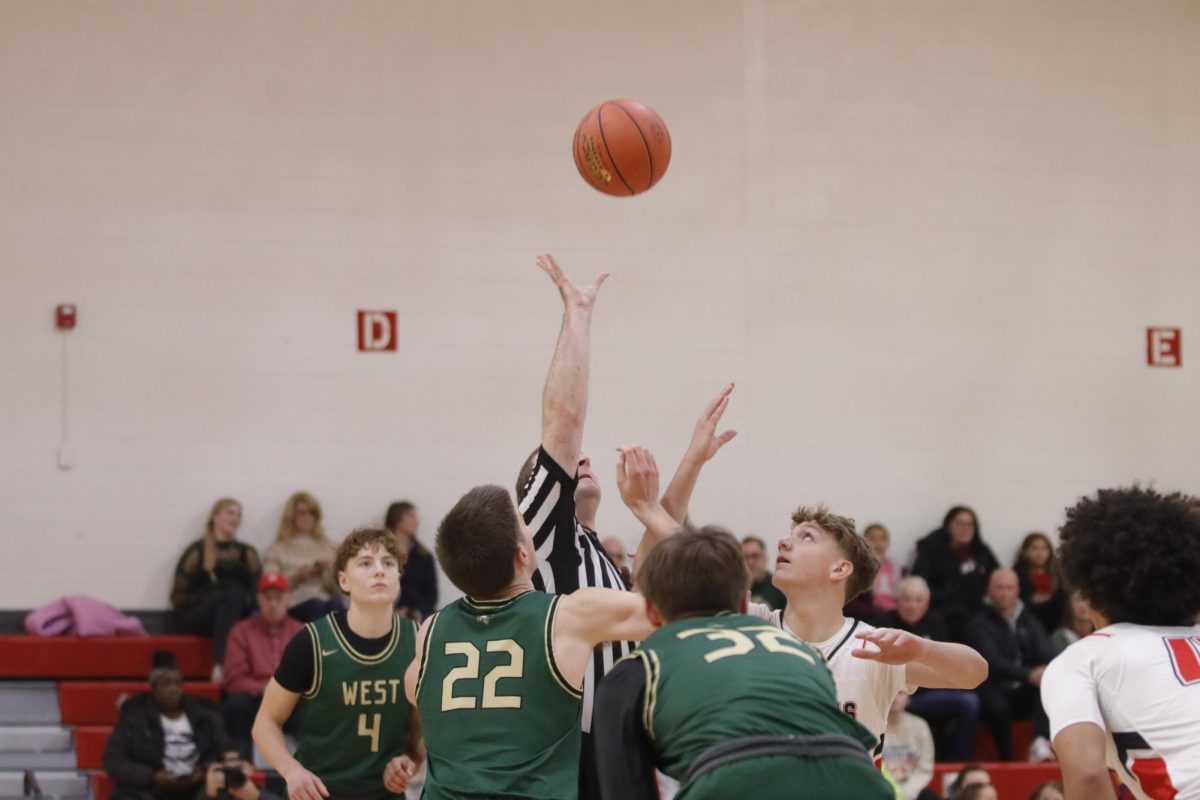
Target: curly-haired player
x=1127 y=698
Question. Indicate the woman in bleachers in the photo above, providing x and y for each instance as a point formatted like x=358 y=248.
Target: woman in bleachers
x=215 y=580
x=303 y=554
x=1075 y=624
x=1041 y=587
x=887 y=580
x=956 y=563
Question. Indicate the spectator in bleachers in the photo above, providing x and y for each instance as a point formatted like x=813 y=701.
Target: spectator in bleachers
x=1017 y=651
x=230 y=778
x=908 y=751
x=952 y=713
x=215 y=580
x=969 y=775
x=762 y=589
x=1050 y=790
x=956 y=563
x=163 y=738
x=418 y=580
x=1076 y=624
x=1041 y=587
x=303 y=554
x=887 y=580
x=255 y=647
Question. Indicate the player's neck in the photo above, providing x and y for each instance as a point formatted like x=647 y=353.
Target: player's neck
x=519 y=586
x=370 y=621
x=813 y=617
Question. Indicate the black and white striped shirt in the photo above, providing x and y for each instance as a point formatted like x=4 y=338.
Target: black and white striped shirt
x=570 y=556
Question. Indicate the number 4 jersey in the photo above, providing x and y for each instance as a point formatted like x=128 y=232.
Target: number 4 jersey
x=500 y=720
x=1142 y=686
x=356 y=717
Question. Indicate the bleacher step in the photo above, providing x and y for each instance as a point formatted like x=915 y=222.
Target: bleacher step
x=34 y=738
x=62 y=759
x=59 y=784
x=28 y=702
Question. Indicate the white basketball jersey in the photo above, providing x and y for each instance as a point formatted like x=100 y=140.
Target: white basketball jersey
x=1142 y=686
x=865 y=689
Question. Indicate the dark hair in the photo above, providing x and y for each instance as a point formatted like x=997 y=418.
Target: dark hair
x=525 y=474
x=396 y=512
x=1134 y=554
x=357 y=539
x=1051 y=565
x=858 y=551
x=1037 y=793
x=755 y=540
x=476 y=542
x=954 y=512
x=696 y=572
x=972 y=767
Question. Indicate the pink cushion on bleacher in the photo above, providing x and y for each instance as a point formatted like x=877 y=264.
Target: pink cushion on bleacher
x=53 y=657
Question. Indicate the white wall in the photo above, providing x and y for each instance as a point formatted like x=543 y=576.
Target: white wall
x=925 y=238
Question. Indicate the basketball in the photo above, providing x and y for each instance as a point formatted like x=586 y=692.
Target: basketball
x=622 y=147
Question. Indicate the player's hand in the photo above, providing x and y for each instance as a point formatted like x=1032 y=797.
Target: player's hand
x=303 y=785
x=705 y=439
x=398 y=773
x=892 y=646
x=573 y=296
x=637 y=477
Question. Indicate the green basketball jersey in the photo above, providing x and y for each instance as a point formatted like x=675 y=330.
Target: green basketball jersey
x=499 y=718
x=713 y=679
x=356 y=717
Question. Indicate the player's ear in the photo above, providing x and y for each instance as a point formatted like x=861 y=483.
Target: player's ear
x=841 y=570
x=343 y=582
x=744 y=605
x=656 y=619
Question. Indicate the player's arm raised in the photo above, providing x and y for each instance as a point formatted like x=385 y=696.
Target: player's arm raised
x=564 y=399
x=934 y=665
x=277 y=705
x=703 y=446
x=1081 y=749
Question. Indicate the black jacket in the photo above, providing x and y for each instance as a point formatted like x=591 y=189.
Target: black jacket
x=135 y=750
x=1010 y=654
x=949 y=586
x=418 y=584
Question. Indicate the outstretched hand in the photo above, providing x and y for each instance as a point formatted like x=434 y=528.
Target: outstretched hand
x=892 y=646
x=573 y=296
x=637 y=477
x=705 y=439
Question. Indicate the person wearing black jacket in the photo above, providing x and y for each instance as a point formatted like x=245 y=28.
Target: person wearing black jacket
x=956 y=563
x=1017 y=651
x=418 y=583
x=952 y=714
x=164 y=739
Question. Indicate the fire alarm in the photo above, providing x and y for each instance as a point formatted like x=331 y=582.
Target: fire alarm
x=64 y=317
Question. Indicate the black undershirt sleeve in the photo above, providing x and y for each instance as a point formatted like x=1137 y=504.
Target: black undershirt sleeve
x=624 y=755
x=296 y=667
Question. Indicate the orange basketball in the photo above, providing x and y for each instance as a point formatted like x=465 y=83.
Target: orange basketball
x=622 y=147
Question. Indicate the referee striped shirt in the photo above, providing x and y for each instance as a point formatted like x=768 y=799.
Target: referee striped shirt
x=570 y=556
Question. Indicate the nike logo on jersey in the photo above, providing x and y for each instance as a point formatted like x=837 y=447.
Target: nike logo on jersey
x=328 y=652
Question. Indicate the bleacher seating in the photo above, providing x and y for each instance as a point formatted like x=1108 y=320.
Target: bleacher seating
x=95 y=702
x=1011 y=779
x=99 y=657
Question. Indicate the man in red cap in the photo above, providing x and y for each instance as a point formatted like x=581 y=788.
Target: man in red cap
x=252 y=655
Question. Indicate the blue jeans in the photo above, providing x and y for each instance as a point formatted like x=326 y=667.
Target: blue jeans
x=952 y=714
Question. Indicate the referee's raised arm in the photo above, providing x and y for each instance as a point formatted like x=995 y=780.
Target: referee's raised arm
x=564 y=399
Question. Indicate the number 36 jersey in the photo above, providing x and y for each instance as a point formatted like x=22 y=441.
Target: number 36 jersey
x=499 y=717
x=1141 y=685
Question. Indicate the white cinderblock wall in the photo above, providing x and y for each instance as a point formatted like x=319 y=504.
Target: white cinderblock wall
x=925 y=238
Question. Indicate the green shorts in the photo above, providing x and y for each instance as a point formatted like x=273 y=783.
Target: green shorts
x=791 y=778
